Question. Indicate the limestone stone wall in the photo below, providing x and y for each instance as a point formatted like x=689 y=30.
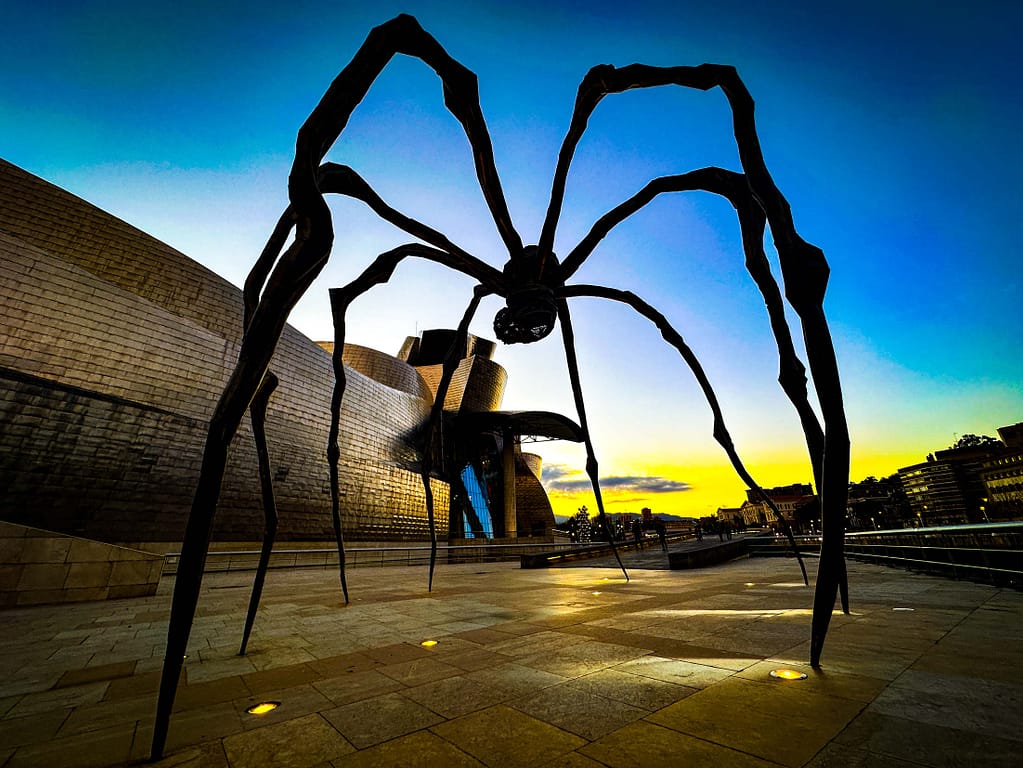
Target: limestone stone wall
x=114 y=348
x=38 y=567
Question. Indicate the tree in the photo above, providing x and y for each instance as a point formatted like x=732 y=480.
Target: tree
x=976 y=441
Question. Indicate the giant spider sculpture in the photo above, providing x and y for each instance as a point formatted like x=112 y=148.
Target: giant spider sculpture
x=533 y=283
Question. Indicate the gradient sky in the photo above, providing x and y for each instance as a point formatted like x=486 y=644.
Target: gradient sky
x=891 y=127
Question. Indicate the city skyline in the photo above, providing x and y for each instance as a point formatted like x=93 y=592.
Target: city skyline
x=891 y=132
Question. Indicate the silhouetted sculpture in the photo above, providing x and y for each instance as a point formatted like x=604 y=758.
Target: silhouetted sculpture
x=533 y=284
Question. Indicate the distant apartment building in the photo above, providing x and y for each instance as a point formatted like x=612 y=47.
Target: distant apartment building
x=1002 y=476
x=969 y=484
x=797 y=503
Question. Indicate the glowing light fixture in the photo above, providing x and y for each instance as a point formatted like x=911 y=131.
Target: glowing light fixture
x=428 y=643
x=263 y=707
x=904 y=610
x=788 y=674
x=596 y=593
x=749 y=584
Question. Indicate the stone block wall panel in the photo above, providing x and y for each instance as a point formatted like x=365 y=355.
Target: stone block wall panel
x=40 y=567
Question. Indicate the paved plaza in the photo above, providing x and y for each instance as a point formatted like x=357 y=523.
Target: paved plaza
x=567 y=667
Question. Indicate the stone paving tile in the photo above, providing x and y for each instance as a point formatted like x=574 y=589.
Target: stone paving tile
x=502 y=736
x=392 y=653
x=936 y=746
x=484 y=636
x=281 y=677
x=675 y=671
x=418 y=671
x=58 y=698
x=381 y=718
x=636 y=690
x=341 y=664
x=7 y=704
x=774 y=724
x=578 y=712
x=517 y=628
x=92 y=674
x=839 y=756
x=138 y=684
x=38 y=728
x=206 y=693
x=582 y=658
x=356 y=686
x=947 y=658
x=470 y=661
x=217 y=663
x=107 y=714
x=645 y=745
x=302 y=743
x=536 y=643
x=969 y=704
x=573 y=760
x=515 y=679
x=418 y=750
x=456 y=696
x=207 y=755
x=929 y=677
x=92 y=749
x=190 y=728
x=29 y=681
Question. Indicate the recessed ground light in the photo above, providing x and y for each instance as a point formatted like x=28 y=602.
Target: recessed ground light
x=788 y=674
x=749 y=584
x=428 y=643
x=263 y=707
x=904 y=610
x=596 y=593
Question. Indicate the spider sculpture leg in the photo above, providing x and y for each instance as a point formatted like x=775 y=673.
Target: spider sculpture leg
x=451 y=362
x=568 y=335
x=333 y=451
x=377 y=273
x=804 y=271
x=258 y=414
x=721 y=433
x=733 y=187
x=295 y=271
x=792 y=375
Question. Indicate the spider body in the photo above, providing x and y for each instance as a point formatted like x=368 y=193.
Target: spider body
x=534 y=284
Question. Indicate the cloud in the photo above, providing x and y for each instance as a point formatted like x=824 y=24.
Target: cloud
x=559 y=479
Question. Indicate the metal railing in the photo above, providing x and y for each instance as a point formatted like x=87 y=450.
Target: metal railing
x=779 y=546
x=360 y=557
x=989 y=552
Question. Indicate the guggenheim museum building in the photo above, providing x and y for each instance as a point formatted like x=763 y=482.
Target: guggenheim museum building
x=115 y=348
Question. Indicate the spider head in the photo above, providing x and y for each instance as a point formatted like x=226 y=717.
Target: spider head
x=531 y=310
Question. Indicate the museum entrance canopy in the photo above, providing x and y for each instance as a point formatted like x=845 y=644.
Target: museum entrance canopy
x=534 y=424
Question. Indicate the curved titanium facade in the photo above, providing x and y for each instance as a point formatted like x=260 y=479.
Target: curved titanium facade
x=113 y=350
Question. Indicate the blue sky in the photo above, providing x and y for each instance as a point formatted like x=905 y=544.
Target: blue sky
x=891 y=128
